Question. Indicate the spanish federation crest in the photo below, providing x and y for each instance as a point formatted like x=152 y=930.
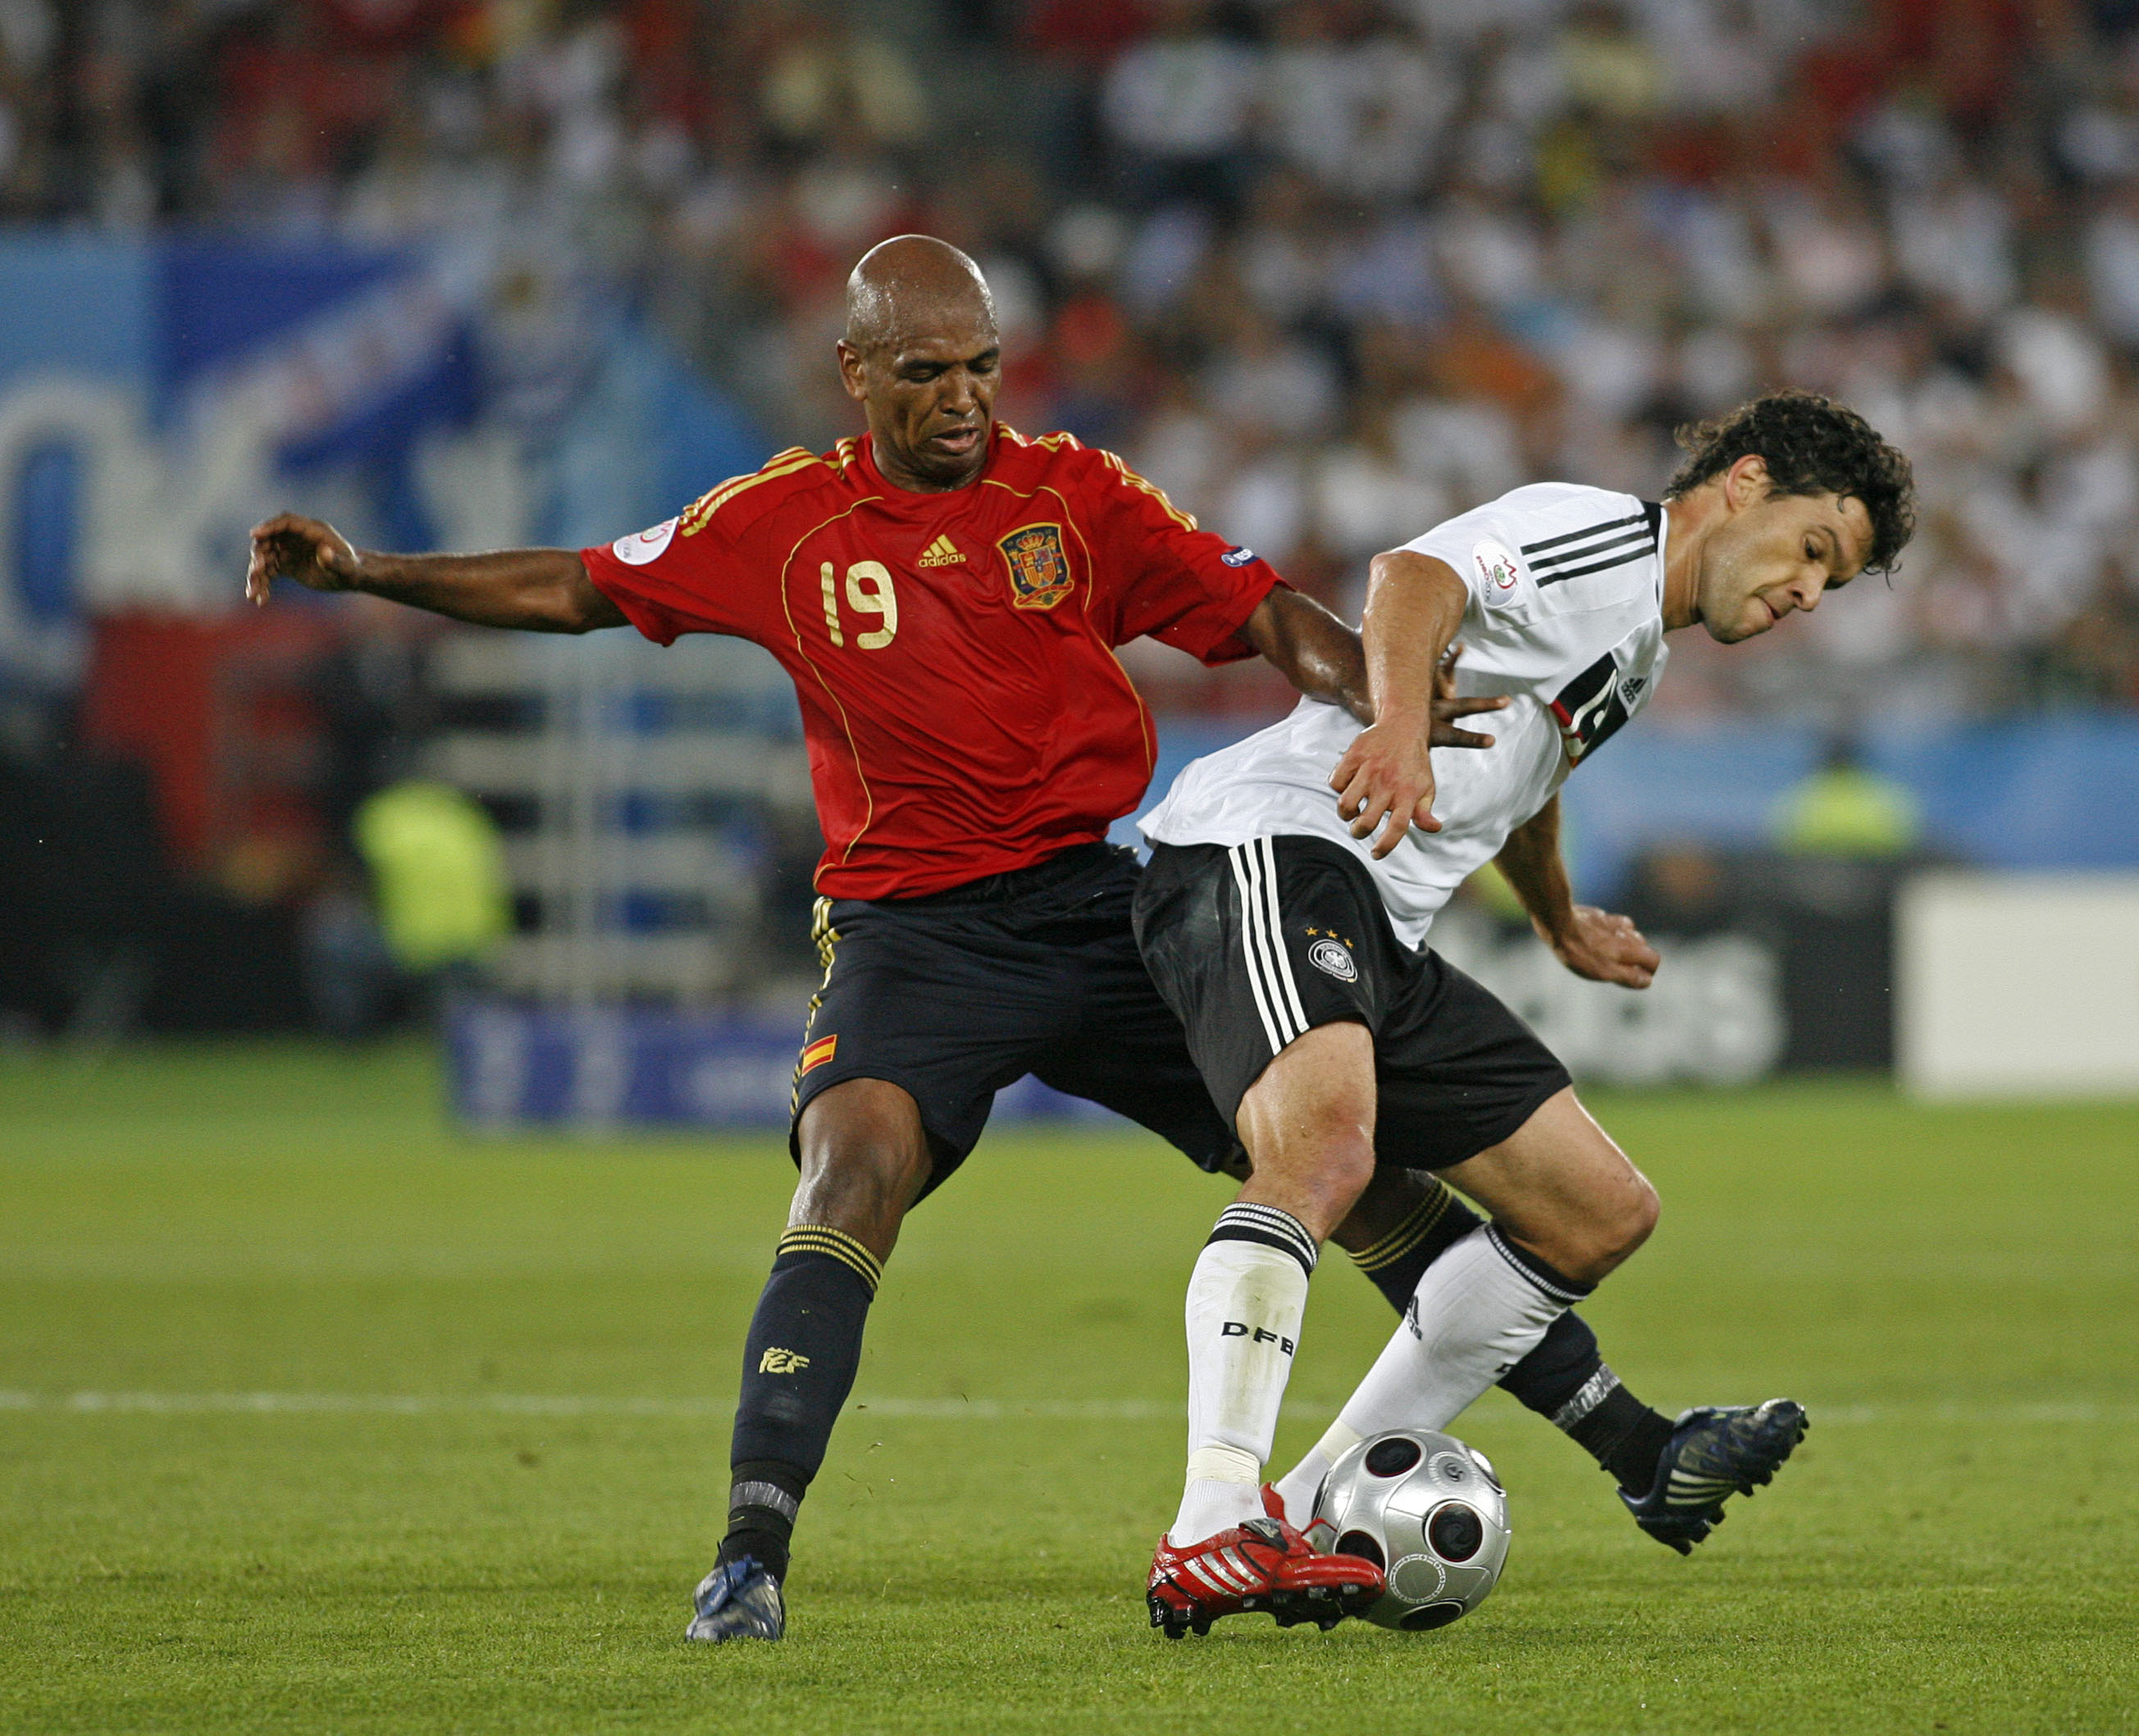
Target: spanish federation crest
x=1039 y=569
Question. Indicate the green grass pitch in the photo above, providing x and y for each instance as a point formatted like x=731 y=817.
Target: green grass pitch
x=314 y=1415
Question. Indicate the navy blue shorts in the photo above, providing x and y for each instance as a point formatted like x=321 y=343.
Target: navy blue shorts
x=957 y=995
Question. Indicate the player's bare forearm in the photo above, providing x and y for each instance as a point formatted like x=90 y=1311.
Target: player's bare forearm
x=1531 y=864
x=1414 y=606
x=1313 y=650
x=1385 y=779
x=539 y=590
x=1323 y=658
x=1590 y=942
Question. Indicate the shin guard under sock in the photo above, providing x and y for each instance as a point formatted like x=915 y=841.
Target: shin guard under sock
x=1480 y=1307
x=1565 y=1379
x=1550 y=1375
x=1246 y=1299
x=799 y=1362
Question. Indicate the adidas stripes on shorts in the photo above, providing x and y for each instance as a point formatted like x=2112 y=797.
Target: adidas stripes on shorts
x=1254 y=944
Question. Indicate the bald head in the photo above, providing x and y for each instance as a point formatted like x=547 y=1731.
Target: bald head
x=912 y=286
x=922 y=359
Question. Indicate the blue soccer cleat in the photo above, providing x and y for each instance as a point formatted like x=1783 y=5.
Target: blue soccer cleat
x=738 y=1600
x=1715 y=1452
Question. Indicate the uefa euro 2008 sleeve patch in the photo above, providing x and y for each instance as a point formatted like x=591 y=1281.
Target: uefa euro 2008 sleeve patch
x=645 y=546
x=1499 y=579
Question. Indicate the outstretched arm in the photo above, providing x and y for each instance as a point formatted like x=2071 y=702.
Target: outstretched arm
x=1323 y=658
x=542 y=590
x=1590 y=942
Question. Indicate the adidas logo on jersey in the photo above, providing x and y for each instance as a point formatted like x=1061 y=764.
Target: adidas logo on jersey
x=942 y=552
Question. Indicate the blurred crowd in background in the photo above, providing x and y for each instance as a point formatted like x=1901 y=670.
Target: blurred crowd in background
x=477 y=273
x=1327 y=270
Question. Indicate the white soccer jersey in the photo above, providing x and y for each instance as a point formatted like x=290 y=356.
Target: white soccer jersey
x=1565 y=617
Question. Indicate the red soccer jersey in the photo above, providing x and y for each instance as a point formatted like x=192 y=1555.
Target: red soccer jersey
x=953 y=652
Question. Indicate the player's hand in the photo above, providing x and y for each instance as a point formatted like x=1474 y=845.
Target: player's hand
x=314 y=554
x=1386 y=778
x=1448 y=706
x=1383 y=780
x=1601 y=947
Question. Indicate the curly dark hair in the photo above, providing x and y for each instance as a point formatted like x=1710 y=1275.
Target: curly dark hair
x=1812 y=445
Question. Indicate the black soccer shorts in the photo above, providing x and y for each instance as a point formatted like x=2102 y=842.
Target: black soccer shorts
x=954 y=995
x=1255 y=944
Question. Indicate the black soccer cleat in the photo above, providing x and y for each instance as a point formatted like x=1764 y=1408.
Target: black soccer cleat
x=1714 y=1452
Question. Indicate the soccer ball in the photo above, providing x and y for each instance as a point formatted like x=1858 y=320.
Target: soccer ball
x=1428 y=1511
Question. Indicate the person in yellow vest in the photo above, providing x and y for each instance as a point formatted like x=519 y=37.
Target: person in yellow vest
x=437 y=877
x=1846 y=809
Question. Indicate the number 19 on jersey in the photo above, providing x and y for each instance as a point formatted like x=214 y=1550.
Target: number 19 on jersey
x=870 y=592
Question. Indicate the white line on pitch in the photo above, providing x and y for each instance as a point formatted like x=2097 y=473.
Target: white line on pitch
x=948 y=1410
x=506 y=1404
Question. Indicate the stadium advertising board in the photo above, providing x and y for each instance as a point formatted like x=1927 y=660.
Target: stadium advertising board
x=2020 y=986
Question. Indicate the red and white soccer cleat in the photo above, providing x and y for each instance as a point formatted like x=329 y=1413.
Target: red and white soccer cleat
x=1264 y=1564
x=1319 y=1533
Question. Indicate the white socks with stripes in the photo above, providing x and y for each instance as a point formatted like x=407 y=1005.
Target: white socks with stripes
x=1478 y=1310
x=1246 y=1299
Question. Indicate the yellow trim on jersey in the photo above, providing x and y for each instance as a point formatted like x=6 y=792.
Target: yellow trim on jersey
x=1187 y=520
x=700 y=512
x=1053 y=442
x=869 y=795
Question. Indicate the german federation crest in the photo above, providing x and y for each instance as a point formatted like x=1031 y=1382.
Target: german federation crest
x=1333 y=958
x=1039 y=569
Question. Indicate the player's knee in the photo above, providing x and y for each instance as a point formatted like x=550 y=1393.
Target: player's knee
x=1635 y=1220
x=1346 y=1169
x=864 y=1160
x=1318 y=1179
x=1357 y=1168
x=870 y=1177
x=1608 y=1234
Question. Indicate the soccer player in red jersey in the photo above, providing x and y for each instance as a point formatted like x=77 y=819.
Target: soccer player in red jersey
x=946 y=595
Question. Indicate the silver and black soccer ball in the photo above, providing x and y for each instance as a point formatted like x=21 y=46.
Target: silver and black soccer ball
x=1428 y=1511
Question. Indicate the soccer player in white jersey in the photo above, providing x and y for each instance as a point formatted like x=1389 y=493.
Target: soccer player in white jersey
x=1283 y=916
